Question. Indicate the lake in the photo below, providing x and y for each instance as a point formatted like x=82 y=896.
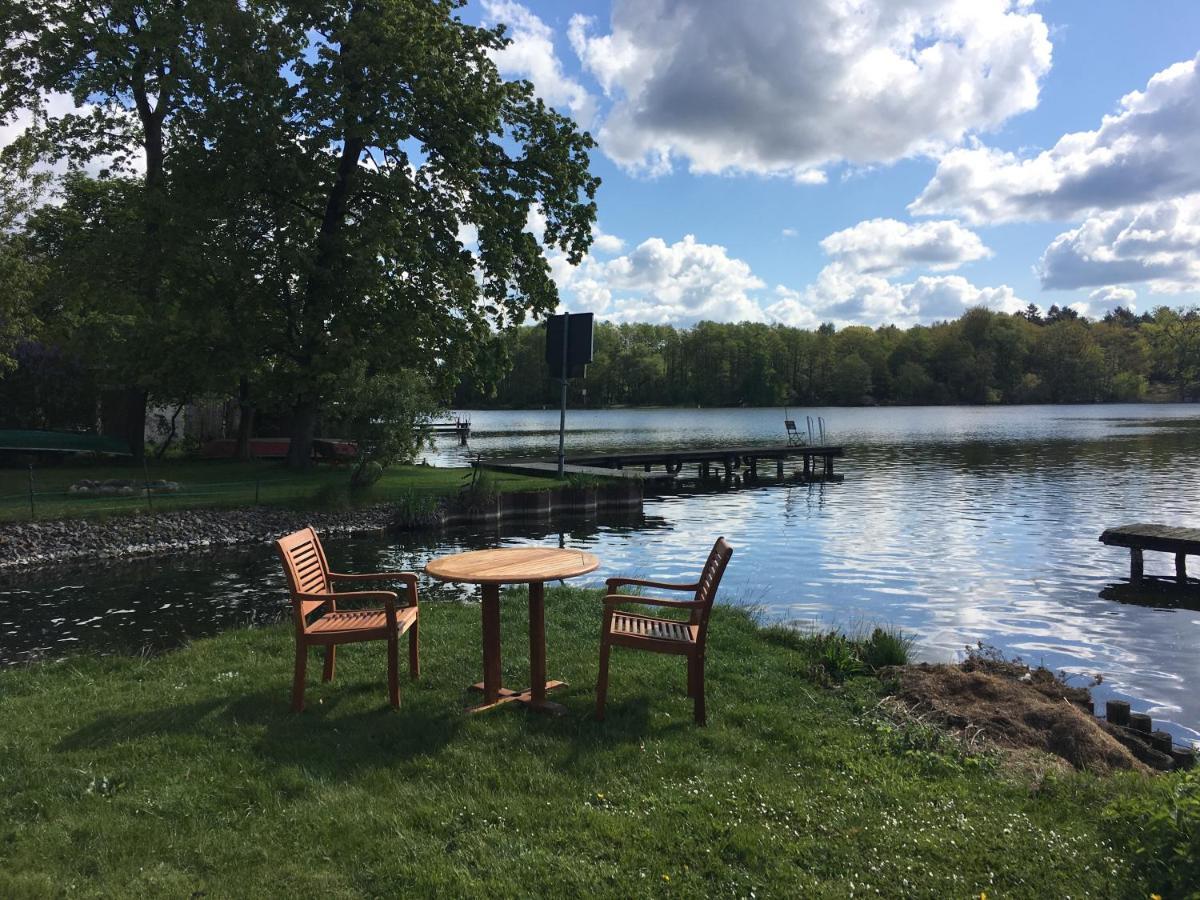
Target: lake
x=957 y=525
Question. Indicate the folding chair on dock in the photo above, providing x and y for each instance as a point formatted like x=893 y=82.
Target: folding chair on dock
x=794 y=438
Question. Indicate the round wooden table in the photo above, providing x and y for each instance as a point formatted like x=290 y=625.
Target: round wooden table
x=516 y=565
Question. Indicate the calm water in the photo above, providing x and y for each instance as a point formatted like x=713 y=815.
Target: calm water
x=957 y=525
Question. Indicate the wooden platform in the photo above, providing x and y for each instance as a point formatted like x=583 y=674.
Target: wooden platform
x=710 y=461
x=1162 y=538
x=550 y=469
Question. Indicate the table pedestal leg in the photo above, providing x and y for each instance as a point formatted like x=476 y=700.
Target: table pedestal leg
x=491 y=643
x=493 y=693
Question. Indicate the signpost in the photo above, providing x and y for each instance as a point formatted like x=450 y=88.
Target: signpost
x=568 y=352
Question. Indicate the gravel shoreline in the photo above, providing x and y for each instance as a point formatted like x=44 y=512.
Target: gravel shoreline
x=66 y=540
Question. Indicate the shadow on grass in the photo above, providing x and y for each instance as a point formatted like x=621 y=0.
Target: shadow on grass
x=323 y=738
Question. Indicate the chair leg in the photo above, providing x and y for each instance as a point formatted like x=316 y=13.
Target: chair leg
x=691 y=676
x=602 y=681
x=698 y=697
x=414 y=659
x=394 y=671
x=330 y=662
x=298 y=677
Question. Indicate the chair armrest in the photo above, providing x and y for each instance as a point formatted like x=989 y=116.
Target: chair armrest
x=641 y=582
x=617 y=599
x=385 y=597
x=406 y=577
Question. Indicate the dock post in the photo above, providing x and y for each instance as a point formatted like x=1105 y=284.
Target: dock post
x=753 y=468
x=807 y=465
x=728 y=468
x=1181 y=568
x=1135 y=565
x=828 y=467
x=779 y=467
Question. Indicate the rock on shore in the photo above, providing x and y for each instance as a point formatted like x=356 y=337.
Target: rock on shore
x=39 y=543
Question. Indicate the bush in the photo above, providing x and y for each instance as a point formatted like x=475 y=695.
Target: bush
x=886 y=648
x=1161 y=831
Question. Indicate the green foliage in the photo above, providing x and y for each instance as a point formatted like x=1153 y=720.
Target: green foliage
x=1161 y=830
x=983 y=357
x=480 y=491
x=886 y=647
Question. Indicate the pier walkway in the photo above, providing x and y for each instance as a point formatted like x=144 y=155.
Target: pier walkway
x=657 y=465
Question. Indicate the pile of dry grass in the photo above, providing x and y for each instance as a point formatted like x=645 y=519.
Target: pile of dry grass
x=1013 y=708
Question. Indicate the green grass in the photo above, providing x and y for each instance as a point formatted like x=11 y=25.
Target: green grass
x=225 y=483
x=186 y=775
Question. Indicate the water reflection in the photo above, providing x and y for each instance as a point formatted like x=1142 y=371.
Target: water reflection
x=958 y=525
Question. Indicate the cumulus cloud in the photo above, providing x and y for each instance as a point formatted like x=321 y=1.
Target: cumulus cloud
x=680 y=283
x=687 y=281
x=603 y=242
x=1104 y=300
x=1147 y=151
x=888 y=246
x=1157 y=244
x=797 y=86
x=847 y=297
x=531 y=55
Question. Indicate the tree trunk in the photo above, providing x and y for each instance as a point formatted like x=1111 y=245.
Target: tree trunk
x=245 y=420
x=304 y=427
x=135 y=422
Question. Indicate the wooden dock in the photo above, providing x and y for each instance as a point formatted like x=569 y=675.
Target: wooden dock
x=460 y=428
x=549 y=468
x=657 y=465
x=1162 y=538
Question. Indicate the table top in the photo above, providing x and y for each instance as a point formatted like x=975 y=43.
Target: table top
x=512 y=565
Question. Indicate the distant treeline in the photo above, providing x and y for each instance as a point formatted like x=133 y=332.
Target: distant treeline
x=982 y=357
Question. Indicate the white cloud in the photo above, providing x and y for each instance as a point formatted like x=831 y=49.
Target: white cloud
x=1149 y=150
x=1157 y=244
x=687 y=281
x=531 y=55
x=790 y=233
x=793 y=86
x=679 y=283
x=603 y=242
x=847 y=297
x=889 y=246
x=55 y=105
x=1104 y=300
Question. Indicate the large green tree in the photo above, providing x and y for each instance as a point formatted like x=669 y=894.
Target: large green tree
x=390 y=174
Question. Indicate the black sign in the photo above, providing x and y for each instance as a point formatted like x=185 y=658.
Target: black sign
x=576 y=330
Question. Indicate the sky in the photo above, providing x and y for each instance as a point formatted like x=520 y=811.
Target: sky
x=874 y=161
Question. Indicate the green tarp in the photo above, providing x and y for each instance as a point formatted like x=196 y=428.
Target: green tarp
x=64 y=441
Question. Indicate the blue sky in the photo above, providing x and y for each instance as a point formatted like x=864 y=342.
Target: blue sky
x=763 y=128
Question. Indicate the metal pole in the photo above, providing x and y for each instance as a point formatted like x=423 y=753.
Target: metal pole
x=562 y=412
x=146 y=484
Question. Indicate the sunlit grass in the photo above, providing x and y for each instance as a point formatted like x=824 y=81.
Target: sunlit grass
x=186 y=774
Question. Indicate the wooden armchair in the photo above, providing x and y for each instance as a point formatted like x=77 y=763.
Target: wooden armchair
x=320 y=623
x=685 y=638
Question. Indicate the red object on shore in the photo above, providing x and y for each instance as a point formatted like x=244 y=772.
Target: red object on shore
x=277 y=448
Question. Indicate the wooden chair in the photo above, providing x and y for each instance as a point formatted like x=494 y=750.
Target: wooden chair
x=625 y=629
x=320 y=623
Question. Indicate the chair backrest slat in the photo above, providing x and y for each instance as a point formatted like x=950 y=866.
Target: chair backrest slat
x=710 y=580
x=307 y=571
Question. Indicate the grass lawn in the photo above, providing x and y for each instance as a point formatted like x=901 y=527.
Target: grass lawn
x=227 y=483
x=185 y=775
